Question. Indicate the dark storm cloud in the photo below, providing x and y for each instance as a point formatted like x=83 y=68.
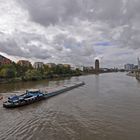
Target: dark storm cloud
x=113 y=12
x=51 y=12
x=48 y=12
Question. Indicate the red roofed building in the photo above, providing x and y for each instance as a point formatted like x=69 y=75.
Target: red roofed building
x=4 y=61
x=24 y=63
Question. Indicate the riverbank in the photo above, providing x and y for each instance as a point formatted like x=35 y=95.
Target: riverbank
x=135 y=74
x=131 y=74
x=10 y=80
x=23 y=79
x=49 y=77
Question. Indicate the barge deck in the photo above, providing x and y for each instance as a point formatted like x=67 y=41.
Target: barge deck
x=26 y=99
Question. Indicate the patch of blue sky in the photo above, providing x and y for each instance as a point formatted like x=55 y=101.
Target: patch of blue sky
x=103 y=44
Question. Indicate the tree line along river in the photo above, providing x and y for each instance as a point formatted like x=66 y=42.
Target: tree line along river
x=106 y=108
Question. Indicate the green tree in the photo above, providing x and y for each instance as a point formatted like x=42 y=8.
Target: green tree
x=33 y=75
x=3 y=73
x=21 y=70
x=7 y=73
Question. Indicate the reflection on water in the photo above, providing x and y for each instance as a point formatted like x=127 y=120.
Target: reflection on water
x=9 y=87
x=97 y=80
x=106 y=108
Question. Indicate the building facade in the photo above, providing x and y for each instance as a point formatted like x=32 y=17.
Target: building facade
x=38 y=65
x=4 y=61
x=24 y=63
x=81 y=68
x=66 y=65
x=88 y=69
x=129 y=67
x=138 y=63
x=97 y=66
x=51 y=65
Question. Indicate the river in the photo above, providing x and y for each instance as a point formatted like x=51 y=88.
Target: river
x=106 y=108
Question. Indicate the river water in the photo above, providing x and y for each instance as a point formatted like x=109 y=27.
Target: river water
x=106 y=108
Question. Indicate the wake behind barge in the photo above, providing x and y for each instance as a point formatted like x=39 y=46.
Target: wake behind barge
x=37 y=95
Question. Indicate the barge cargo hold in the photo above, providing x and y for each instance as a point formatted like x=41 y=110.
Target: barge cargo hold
x=36 y=95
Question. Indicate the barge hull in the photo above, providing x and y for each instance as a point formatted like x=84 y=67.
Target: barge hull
x=55 y=92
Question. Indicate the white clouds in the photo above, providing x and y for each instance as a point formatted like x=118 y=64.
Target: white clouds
x=12 y=17
x=69 y=31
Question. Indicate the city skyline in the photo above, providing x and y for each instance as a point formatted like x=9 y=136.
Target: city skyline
x=74 y=32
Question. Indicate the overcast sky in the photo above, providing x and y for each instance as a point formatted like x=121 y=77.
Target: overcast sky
x=71 y=31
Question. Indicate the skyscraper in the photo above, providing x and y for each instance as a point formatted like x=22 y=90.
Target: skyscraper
x=129 y=67
x=97 y=66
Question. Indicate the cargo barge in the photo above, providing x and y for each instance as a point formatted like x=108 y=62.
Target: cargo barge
x=31 y=96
